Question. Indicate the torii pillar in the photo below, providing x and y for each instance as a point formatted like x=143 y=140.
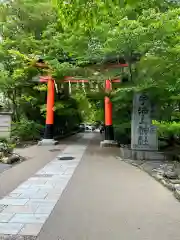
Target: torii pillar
x=109 y=131
x=49 y=127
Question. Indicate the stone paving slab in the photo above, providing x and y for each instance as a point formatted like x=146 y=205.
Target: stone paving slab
x=6 y=217
x=28 y=218
x=10 y=228
x=21 y=209
x=25 y=209
x=31 y=229
x=13 y=201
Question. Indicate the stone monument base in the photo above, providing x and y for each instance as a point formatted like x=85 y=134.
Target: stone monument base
x=47 y=142
x=127 y=153
x=108 y=143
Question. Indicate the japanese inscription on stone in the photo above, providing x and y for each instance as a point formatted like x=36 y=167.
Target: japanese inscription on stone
x=143 y=134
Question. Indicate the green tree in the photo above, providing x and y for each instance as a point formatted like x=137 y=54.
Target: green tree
x=84 y=31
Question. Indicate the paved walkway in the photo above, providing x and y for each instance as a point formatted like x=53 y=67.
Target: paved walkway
x=99 y=197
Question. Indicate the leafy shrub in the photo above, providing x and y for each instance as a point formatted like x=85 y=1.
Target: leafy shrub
x=167 y=129
x=26 y=130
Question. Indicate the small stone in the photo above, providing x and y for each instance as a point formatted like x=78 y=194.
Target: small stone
x=158 y=171
x=135 y=164
x=174 y=181
x=170 y=186
x=158 y=177
x=177 y=186
x=163 y=181
x=177 y=194
x=5 y=160
x=170 y=174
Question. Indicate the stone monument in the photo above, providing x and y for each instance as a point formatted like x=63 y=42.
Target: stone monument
x=144 y=140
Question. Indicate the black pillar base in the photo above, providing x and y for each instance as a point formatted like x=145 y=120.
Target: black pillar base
x=109 y=133
x=48 y=133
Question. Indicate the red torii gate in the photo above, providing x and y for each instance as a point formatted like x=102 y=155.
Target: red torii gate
x=48 y=134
